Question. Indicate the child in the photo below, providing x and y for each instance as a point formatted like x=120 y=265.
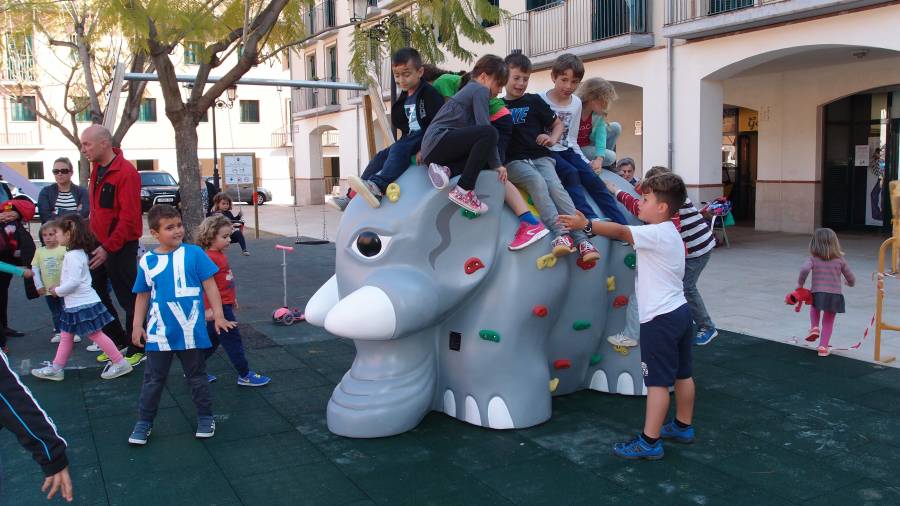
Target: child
x=47 y=265
x=463 y=137
x=529 y=163
x=698 y=242
x=596 y=137
x=666 y=329
x=171 y=282
x=413 y=111
x=827 y=264
x=573 y=168
x=83 y=312
x=213 y=236
x=222 y=205
x=625 y=169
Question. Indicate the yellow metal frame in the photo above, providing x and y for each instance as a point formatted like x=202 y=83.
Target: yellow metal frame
x=894 y=244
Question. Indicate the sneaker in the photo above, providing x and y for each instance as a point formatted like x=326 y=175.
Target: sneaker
x=92 y=347
x=141 y=433
x=49 y=373
x=135 y=359
x=621 y=340
x=468 y=200
x=562 y=246
x=672 y=431
x=824 y=351
x=103 y=357
x=77 y=338
x=637 y=448
x=439 y=176
x=206 y=427
x=588 y=252
x=339 y=203
x=368 y=190
x=527 y=235
x=813 y=334
x=56 y=338
x=245 y=253
x=705 y=336
x=211 y=378
x=112 y=371
x=253 y=379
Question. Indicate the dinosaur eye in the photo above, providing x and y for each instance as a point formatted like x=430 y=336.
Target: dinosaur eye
x=370 y=245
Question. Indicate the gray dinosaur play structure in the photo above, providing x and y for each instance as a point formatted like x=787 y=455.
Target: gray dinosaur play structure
x=444 y=317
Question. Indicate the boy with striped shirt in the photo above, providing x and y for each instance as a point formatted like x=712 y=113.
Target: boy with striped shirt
x=698 y=244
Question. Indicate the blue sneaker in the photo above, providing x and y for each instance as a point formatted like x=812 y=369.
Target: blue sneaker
x=253 y=380
x=141 y=433
x=672 y=431
x=206 y=427
x=705 y=336
x=211 y=377
x=639 y=449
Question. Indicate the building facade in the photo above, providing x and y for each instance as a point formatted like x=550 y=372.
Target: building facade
x=791 y=108
x=258 y=122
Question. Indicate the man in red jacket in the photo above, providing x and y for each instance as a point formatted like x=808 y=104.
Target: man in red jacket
x=115 y=196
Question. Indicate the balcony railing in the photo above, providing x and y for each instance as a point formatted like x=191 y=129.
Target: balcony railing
x=10 y=140
x=320 y=17
x=558 y=26
x=682 y=11
x=306 y=99
x=382 y=72
x=281 y=138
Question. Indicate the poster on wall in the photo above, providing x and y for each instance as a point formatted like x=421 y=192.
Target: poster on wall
x=874 y=180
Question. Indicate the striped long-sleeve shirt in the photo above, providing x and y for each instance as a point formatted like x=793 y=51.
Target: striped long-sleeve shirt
x=695 y=232
x=826 y=274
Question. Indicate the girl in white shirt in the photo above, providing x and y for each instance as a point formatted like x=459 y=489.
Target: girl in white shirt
x=84 y=314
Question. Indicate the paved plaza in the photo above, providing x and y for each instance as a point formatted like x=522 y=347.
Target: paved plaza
x=776 y=424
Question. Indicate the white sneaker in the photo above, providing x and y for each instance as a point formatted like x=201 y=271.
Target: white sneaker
x=93 y=347
x=56 y=338
x=77 y=338
x=622 y=340
x=49 y=373
x=112 y=370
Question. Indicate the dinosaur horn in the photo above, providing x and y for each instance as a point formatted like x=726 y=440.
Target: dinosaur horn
x=367 y=313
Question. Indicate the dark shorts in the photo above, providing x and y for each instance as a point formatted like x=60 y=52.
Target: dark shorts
x=666 y=343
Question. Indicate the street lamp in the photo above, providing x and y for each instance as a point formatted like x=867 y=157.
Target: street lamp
x=231 y=93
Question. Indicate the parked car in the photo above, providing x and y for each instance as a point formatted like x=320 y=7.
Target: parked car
x=158 y=187
x=244 y=192
x=13 y=191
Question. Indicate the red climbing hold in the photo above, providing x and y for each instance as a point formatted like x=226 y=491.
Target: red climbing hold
x=585 y=265
x=562 y=364
x=620 y=301
x=540 y=311
x=473 y=264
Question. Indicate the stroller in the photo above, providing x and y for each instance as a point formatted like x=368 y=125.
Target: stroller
x=719 y=210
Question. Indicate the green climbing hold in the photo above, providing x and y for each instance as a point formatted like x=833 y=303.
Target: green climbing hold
x=630 y=260
x=490 y=335
x=581 y=325
x=596 y=359
x=468 y=214
x=530 y=202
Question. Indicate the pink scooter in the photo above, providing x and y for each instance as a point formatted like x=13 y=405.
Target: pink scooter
x=286 y=315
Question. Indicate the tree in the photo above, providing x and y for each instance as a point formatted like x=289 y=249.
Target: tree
x=83 y=62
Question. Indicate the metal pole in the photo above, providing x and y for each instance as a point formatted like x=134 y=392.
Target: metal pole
x=215 y=153
x=288 y=83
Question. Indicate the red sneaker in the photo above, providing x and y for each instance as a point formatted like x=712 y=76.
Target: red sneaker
x=813 y=334
x=588 y=252
x=467 y=200
x=527 y=235
x=562 y=246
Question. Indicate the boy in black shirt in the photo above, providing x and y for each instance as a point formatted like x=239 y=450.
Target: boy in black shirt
x=528 y=161
x=411 y=114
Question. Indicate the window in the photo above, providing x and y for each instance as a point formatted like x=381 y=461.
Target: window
x=310 y=93
x=145 y=165
x=332 y=70
x=35 y=170
x=158 y=178
x=22 y=108
x=19 y=57
x=249 y=111
x=193 y=53
x=488 y=24
x=83 y=106
x=148 y=110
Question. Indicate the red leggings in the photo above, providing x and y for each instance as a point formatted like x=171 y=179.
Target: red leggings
x=827 y=324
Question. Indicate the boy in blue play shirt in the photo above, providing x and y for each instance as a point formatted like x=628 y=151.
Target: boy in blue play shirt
x=170 y=284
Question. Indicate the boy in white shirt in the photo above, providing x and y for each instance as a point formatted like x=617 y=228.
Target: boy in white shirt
x=666 y=328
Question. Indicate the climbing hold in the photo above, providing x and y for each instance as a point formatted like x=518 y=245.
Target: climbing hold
x=622 y=350
x=630 y=260
x=547 y=261
x=530 y=202
x=620 y=301
x=611 y=284
x=562 y=364
x=585 y=265
x=468 y=214
x=581 y=325
x=553 y=384
x=393 y=192
x=489 y=335
x=473 y=264
x=540 y=311
x=595 y=359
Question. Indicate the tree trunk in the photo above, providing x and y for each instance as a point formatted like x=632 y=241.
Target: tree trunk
x=84 y=170
x=188 y=173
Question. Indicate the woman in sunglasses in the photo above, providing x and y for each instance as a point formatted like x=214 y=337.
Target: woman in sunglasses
x=64 y=197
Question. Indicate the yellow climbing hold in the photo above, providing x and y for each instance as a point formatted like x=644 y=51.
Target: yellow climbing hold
x=622 y=350
x=547 y=261
x=393 y=192
x=611 y=284
x=553 y=384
